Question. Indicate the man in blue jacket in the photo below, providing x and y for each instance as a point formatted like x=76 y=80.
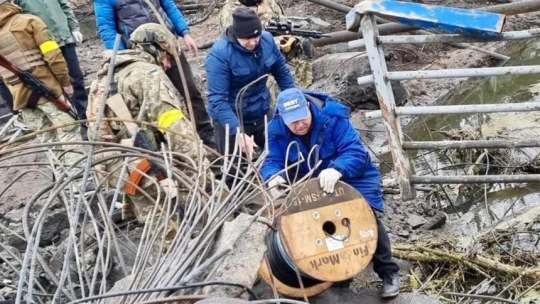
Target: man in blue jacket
x=242 y=55
x=316 y=121
x=124 y=16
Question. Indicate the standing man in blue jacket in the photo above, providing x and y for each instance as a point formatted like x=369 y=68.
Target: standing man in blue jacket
x=242 y=55
x=316 y=121
x=124 y=16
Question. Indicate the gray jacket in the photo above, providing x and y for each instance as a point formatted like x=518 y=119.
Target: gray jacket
x=57 y=15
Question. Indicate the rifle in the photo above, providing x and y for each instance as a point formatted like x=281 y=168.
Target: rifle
x=38 y=87
x=145 y=165
x=288 y=28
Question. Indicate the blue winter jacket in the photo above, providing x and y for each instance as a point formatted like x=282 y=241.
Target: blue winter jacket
x=340 y=148
x=124 y=16
x=230 y=67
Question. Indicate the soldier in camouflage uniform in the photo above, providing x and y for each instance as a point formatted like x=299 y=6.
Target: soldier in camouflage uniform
x=26 y=41
x=299 y=57
x=140 y=75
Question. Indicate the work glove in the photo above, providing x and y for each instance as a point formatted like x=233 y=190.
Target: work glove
x=328 y=179
x=77 y=36
x=274 y=183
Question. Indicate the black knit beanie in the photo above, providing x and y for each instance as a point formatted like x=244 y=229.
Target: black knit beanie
x=246 y=23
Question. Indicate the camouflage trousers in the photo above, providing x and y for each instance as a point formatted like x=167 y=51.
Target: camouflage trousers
x=302 y=71
x=156 y=206
x=159 y=204
x=47 y=115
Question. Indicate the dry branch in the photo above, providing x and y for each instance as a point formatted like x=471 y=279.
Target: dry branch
x=419 y=253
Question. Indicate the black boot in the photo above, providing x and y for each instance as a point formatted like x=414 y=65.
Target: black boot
x=390 y=288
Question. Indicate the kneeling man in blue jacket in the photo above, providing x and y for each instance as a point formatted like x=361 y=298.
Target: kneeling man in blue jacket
x=312 y=119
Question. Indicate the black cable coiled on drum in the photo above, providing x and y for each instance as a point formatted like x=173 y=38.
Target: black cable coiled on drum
x=281 y=269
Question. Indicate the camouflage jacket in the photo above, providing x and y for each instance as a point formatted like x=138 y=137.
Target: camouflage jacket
x=268 y=10
x=138 y=77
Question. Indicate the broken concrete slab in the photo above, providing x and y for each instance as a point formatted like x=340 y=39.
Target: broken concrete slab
x=436 y=221
x=319 y=23
x=14 y=216
x=241 y=266
x=404 y=233
x=416 y=221
x=337 y=75
x=55 y=222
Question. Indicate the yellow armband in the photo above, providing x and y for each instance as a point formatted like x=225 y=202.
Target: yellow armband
x=167 y=118
x=48 y=46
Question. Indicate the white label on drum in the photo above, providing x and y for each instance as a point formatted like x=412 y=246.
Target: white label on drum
x=334 y=243
x=367 y=233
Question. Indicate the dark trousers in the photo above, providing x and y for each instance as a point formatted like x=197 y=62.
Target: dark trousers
x=256 y=129
x=6 y=96
x=202 y=120
x=382 y=258
x=79 y=99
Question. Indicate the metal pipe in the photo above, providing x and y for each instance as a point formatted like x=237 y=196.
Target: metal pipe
x=447 y=38
x=360 y=43
x=345 y=36
x=500 y=57
x=460 y=109
x=508 y=9
x=388 y=104
x=475 y=179
x=333 y=5
x=455 y=73
x=471 y=144
x=515 y=8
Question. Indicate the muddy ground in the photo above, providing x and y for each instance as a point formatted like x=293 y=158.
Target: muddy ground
x=404 y=219
x=400 y=57
x=401 y=216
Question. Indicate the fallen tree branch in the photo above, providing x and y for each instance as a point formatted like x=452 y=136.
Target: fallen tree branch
x=424 y=254
x=480 y=297
x=209 y=12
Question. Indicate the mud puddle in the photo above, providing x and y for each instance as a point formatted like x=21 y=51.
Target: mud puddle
x=506 y=89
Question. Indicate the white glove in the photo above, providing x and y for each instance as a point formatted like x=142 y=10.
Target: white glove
x=328 y=179
x=77 y=36
x=273 y=184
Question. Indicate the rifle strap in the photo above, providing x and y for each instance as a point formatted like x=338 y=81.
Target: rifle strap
x=117 y=104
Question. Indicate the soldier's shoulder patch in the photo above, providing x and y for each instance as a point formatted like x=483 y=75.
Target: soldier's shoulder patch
x=154 y=72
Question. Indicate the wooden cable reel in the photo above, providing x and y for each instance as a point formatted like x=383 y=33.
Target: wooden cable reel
x=329 y=237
